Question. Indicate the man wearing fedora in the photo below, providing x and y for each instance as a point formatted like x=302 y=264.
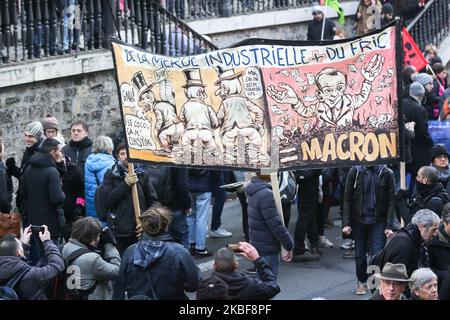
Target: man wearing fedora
x=199 y=119
x=168 y=126
x=393 y=282
x=238 y=117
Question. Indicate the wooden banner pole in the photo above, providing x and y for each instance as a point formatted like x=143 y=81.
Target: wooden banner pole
x=134 y=194
x=276 y=195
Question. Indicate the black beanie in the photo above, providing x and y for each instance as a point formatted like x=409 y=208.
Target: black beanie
x=438 y=150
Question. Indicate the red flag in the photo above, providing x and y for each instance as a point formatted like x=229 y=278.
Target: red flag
x=412 y=54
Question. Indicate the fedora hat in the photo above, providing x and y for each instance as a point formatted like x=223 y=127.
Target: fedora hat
x=139 y=82
x=226 y=74
x=393 y=272
x=193 y=78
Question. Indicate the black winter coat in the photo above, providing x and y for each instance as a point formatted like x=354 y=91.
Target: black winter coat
x=158 y=263
x=384 y=197
x=434 y=199
x=241 y=287
x=315 y=30
x=404 y=247
x=422 y=142
x=439 y=254
x=444 y=290
x=73 y=187
x=5 y=190
x=119 y=200
x=266 y=229
x=78 y=151
x=37 y=279
x=42 y=193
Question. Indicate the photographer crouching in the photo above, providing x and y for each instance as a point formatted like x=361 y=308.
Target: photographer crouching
x=92 y=252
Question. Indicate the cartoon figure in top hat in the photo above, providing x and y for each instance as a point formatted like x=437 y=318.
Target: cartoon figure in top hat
x=168 y=126
x=199 y=118
x=238 y=117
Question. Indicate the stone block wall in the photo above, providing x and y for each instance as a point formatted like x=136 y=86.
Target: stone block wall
x=90 y=97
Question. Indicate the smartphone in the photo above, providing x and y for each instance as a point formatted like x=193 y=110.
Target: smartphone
x=235 y=247
x=36 y=229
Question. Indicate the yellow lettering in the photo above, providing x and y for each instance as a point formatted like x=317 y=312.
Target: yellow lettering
x=356 y=141
x=329 y=147
x=371 y=140
x=386 y=144
x=340 y=152
x=314 y=152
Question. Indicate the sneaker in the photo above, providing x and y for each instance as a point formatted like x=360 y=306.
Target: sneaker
x=251 y=270
x=306 y=257
x=361 y=289
x=348 y=244
x=192 y=249
x=220 y=233
x=349 y=254
x=325 y=243
x=203 y=253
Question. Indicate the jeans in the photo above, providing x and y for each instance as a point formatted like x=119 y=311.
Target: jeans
x=178 y=228
x=198 y=219
x=274 y=263
x=362 y=233
x=219 y=195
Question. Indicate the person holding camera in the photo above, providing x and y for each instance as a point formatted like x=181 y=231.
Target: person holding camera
x=34 y=280
x=93 y=250
x=240 y=286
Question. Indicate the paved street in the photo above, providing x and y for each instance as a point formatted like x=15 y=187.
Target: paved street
x=330 y=278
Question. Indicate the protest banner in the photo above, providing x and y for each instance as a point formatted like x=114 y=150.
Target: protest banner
x=265 y=104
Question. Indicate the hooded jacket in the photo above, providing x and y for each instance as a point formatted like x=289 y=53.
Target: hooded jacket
x=439 y=253
x=33 y=283
x=120 y=202
x=354 y=196
x=96 y=163
x=434 y=198
x=241 y=287
x=95 y=269
x=157 y=267
x=266 y=229
x=42 y=193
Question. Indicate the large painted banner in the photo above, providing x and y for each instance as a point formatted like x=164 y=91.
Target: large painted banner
x=264 y=105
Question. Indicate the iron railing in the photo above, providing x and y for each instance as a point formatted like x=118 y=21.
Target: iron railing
x=431 y=26
x=205 y=9
x=33 y=29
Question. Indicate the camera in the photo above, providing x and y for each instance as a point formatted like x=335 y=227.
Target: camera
x=235 y=247
x=36 y=229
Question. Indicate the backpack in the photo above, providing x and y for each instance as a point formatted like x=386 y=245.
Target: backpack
x=161 y=179
x=288 y=186
x=7 y=291
x=100 y=200
x=60 y=288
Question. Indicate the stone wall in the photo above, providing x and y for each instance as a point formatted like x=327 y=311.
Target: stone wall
x=88 y=97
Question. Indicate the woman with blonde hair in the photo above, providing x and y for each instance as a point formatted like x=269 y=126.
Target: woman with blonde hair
x=97 y=163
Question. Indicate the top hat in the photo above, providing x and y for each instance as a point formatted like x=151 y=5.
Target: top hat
x=226 y=74
x=193 y=78
x=139 y=82
x=393 y=272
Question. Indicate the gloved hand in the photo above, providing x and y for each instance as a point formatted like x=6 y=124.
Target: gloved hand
x=131 y=179
x=10 y=163
x=11 y=168
x=401 y=194
x=77 y=212
x=107 y=236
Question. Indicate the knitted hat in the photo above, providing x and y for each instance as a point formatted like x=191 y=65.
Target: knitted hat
x=36 y=129
x=438 y=150
x=50 y=123
x=387 y=9
x=416 y=89
x=423 y=78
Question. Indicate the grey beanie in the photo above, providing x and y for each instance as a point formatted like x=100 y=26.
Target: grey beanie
x=416 y=89
x=36 y=129
x=423 y=78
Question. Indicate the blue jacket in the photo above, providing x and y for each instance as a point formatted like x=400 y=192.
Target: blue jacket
x=98 y=163
x=157 y=265
x=202 y=180
x=266 y=230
